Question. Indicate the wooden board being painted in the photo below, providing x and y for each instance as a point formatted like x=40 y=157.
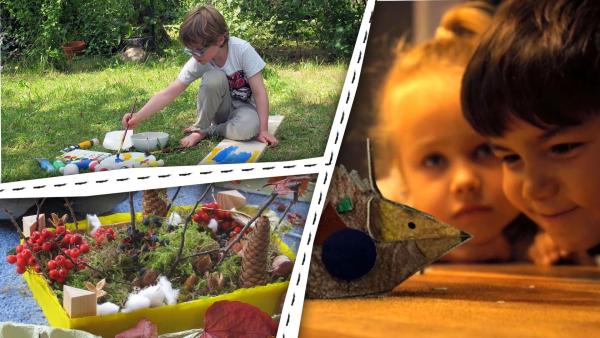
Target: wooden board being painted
x=229 y=151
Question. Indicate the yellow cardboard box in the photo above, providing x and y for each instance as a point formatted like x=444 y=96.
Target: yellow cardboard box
x=168 y=318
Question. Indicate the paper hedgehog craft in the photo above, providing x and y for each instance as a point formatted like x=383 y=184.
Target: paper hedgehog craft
x=367 y=244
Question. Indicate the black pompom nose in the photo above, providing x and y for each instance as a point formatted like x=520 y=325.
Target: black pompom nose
x=349 y=254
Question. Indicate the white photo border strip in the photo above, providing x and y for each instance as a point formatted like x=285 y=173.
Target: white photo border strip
x=136 y=179
x=289 y=324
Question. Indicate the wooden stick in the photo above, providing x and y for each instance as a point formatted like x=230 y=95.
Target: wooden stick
x=131 y=210
x=14 y=223
x=245 y=228
x=185 y=226
x=35 y=254
x=239 y=235
x=70 y=207
x=38 y=205
x=173 y=199
x=292 y=202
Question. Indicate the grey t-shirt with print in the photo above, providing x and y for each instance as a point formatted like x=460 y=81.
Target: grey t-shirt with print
x=242 y=63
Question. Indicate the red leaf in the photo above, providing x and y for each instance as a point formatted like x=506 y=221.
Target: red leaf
x=232 y=319
x=143 y=329
x=285 y=185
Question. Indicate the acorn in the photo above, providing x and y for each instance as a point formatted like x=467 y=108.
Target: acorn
x=201 y=264
x=190 y=282
x=214 y=281
x=150 y=277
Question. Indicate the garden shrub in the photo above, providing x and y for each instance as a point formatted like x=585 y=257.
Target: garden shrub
x=329 y=25
x=32 y=28
x=35 y=29
x=102 y=24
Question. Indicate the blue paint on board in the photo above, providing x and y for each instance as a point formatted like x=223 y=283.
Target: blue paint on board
x=241 y=157
x=223 y=154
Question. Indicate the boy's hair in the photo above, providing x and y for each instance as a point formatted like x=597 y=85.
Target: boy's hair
x=539 y=62
x=454 y=42
x=203 y=24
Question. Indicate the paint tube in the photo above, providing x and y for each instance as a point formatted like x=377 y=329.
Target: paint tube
x=45 y=164
x=57 y=164
x=81 y=145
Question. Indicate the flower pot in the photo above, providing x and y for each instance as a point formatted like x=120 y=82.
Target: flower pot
x=73 y=48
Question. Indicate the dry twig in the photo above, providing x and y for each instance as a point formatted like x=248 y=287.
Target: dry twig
x=69 y=206
x=185 y=226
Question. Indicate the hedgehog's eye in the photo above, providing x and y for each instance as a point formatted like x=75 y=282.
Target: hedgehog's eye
x=412 y=225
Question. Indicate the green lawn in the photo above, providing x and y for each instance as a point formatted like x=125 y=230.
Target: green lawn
x=45 y=111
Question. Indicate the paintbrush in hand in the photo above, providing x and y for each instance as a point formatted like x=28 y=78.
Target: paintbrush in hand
x=127 y=127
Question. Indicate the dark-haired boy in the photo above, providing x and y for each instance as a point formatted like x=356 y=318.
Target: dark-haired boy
x=533 y=87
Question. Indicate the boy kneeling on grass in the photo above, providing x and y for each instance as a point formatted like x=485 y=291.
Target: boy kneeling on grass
x=533 y=88
x=232 y=98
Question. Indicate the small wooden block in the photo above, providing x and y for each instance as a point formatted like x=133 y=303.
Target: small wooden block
x=230 y=199
x=79 y=302
x=30 y=224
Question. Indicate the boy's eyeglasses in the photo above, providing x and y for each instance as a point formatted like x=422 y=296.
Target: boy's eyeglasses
x=197 y=52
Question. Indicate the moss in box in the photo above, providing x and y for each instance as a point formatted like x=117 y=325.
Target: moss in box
x=231 y=267
x=163 y=257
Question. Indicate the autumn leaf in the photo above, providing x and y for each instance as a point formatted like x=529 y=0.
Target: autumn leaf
x=58 y=221
x=286 y=185
x=143 y=329
x=98 y=288
x=233 y=319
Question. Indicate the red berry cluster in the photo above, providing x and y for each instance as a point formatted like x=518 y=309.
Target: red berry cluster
x=227 y=225
x=104 y=234
x=23 y=259
x=59 y=267
x=51 y=246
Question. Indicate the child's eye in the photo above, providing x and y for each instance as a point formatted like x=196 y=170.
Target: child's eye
x=434 y=161
x=483 y=151
x=565 y=148
x=510 y=158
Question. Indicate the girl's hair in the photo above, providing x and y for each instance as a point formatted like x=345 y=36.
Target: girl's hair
x=539 y=63
x=204 y=24
x=450 y=50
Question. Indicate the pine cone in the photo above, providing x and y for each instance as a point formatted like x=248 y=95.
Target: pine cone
x=154 y=202
x=254 y=258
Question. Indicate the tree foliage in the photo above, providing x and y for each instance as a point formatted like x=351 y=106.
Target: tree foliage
x=328 y=25
x=35 y=29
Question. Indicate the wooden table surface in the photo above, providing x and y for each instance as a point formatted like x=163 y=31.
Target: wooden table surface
x=469 y=301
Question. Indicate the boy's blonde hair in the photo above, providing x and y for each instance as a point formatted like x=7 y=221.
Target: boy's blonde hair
x=454 y=43
x=205 y=25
